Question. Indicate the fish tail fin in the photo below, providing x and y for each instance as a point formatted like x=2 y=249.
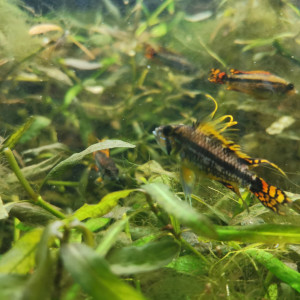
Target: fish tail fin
x=216 y=76
x=270 y=196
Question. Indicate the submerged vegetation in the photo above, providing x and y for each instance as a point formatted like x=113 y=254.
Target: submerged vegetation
x=87 y=83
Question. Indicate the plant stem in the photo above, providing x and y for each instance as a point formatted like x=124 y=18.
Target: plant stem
x=191 y=248
x=64 y=183
x=16 y=230
x=42 y=203
x=15 y=167
x=36 y=198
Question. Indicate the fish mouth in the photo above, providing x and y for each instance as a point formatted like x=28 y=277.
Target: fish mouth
x=154 y=132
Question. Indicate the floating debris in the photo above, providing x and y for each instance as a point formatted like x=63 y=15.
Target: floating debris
x=279 y=125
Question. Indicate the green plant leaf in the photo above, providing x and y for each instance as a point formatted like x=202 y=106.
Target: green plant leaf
x=277 y=267
x=149 y=257
x=12 y=286
x=39 y=285
x=159 y=30
x=3 y=212
x=38 y=124
x=77 y=157
x=106 y=204
x=15 y=137
x=111 y=236
x=189 y=264
x=265 y=233
x=93 y=274
x=71 y=94
x=95 y=224
x=29 y=213
x=263 y=42
x=20 y=258
x=180 y=209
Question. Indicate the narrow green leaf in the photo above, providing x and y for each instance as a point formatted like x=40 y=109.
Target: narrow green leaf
x=111 y=236
x=212 y=53
x=263 y=42
x=149 y=257
x=265 y=233
x=77 y=157
x=71 y=94
x=180 y=209
x=15 y=137
x=277 y=267
x=106 y=204
x=93 y=274
x=20 y=258
x=154 y=17
x=35 y=128
x=35 y=171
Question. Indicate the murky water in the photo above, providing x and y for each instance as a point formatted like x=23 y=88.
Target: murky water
x=96 y=70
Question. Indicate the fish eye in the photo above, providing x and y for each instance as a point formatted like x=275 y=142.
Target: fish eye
x=167 y=130
x=290 y=87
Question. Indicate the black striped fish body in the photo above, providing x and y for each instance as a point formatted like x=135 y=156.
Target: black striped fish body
x=203 y=149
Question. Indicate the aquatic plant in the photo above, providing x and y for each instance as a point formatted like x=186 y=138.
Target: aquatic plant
x=69 y=78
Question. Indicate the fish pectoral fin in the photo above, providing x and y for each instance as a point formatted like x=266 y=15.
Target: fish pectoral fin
x=254 y=162
x=187 y=178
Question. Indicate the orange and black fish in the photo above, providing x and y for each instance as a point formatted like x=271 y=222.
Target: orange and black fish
x=105 y=165
x=204 y=150
x=260 y=84
x=169 y=58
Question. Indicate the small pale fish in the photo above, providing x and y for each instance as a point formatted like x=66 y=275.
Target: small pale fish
x=260 y=84
x=203 y=149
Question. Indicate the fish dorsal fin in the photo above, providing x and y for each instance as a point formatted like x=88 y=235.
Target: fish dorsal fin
x=215 y=128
